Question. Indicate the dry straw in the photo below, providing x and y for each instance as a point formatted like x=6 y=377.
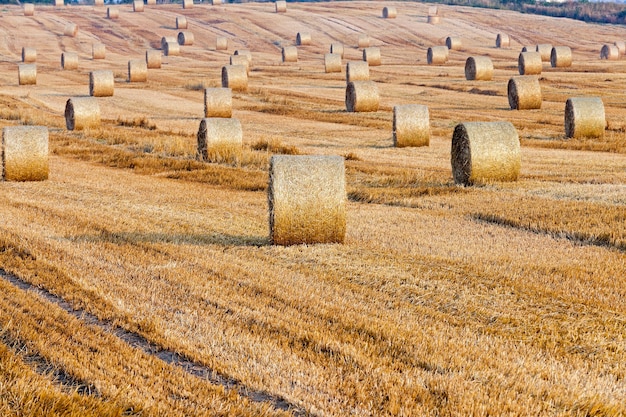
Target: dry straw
x=307 y=199
x=98 y=2
x=216 y=2
x=138 y=6
x=433 y=11
x=357 y=71
x=98 y=51
x=27 y=74
x=171 y=49
x=337 y=48
x=437 y=55
x=29 y=55
x=219 y=140
x=434 y=20
x=289 y=54
x=281 y=6
x=187 y=4
x=390 y=12
x=524 y=93
x=59 y=3
x=218 y=102
x=185 y=38
x=584 y=117
x=235 y=77
x=411 y=125
x=303 y=38
x=544 y=49
x=363 y=41
x=503 y=40
x=137 y=71
x=24 y=151
x=151 y=2
x=609 y=52
x=153 y=59
x=113 y=12
x=69 y=60
x=371 y=55
x=181 y=22
x=244 y=52
x=221 y=44
x=478 y=68
x=621 y=46
x=101 y=83
x=529 y=63
x=332 y=63
x=82 y=113
x=485 y=151
x=29 y=9
x=362 y=96
x=71 y=29
x=166 y=39
x=561 y=57
x=240 y=60
x=453 y=43
x=529 y=49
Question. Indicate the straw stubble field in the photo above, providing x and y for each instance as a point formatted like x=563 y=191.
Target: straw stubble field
x=136 y=267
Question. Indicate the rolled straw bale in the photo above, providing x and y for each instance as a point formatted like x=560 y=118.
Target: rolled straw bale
x=153 y=59
x=151 y=2
x=544 y=49
x=621 y=46
x=303 y=38
x=411 y=125
x=98 y=51
x=29 y=54
x=453 y=44
x=244 y=52
x=24 y=151
x=216 y=2
x=59 y=3
x=27 y=74
x=336 y=48
x=364 y=41
x=166 y=39
x=219 y=140
x=185 y=38
x=82 y=113
x=138 y=6
x=235 y=77
x=181 y=22
x=389 y=12
x=478 y=68
x=240 y=60
x=137 y=71
x=69 y=60
x=29 y=9
x=221 y=44
x=357 y=71
x=187 y=4
x=529 y=63
x=437 y=55
x=171 y=49
x=98 y=2
x=524 y=93
x=503 y=40
x=281 y=6
x=218 y=102
x=609 y=52
x=362 y=96
x=584 y=117
x=332 y=62
x=101 y=83
x=71 y=29
x=289 y=54
x=433 y=11
x=307 y=199
x=371 y=55
x=113 y=12
x=485 y=151
x=434 y=20
x=561 y=57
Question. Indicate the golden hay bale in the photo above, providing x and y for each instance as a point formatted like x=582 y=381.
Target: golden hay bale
x=411 y=125
x=185 y=38
x=524 y=93
x=485 y=151
x=561 y=57
x=29 y=55
x=59 y=3
x=609 y=52
x=281 y=6
x=166 y=39
x=153 y=59
x=137 y=71
x=71 y=29
x=478 y=68
x=187 y=4
x=113 y=12
x=529 y=63
x=303 y=38
x=219 y=140
x=453 y=44
x=437 y=55
x=69 y=60
x=29 y=9
x=390 y=12
x=138 y=6
x=101 y=83
x=371 y=55
x=307 y=199
x=332 y=62
x=221 y=44
x=337 y=48
x=240 y=60
x=357 y=71
x=27 y=74
x=244 y=52
x=364 y=41
x=434 y=20
x=235 y=77
x=621 y=46
x=362 y=96
x=584 y=117
x=24 y=153
x=151 y=2
x=181 y=22
x=171 y=49
x=98 y=2
x=433 y=11
x=544 y=49
x=216 y=2
x=503 y=40
x=98 y=51
x=82 y=113
x=289 y=54
x=218 y=102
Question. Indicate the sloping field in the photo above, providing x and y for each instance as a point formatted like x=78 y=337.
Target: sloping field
x=140 y=281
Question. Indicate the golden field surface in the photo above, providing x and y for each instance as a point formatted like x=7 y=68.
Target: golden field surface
x=140 y=281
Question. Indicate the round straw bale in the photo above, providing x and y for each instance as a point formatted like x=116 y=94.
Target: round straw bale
x=221 y=44
x=303 y=38
x=478 y=68
x=137 y=71
x=171 y=49
x=389 y=12
x=59 y=3
x=27 y=74
x=609 y=52
x=307 y=199
x=82 y=113
x=101 y=83
x=244 y=52
x=433 y=11
x=98 y=51
x=437 y=55
x=98 y=2
x=240 y=60
x=503 y=40
x=69 y=60
x=24 y=153
x=153 y=59
x=544 y=49
x=584 y=117
x=29 y=55
x=219 y=140
x=621 y=46
x=434 y=20
x=113 y=12
x=411 y=125
x=138 y=6
x=185 y=38
x=290 y=54
x=529 y=63
x=166 y=39
x=216 y=2
x=524 y=93
x=151 y=2
x=371 y=55
x=332 y=62
x=281 y=6
x=187 y=4
x=362 y=96
x=357 y=71
x=235 y=77
x=453 y=44
x=70 y=30
x=181 y=22
x=218 y=102
x=485 y=151
x=29 y=9
x=364 y=41
x=561 y=57
x=336 y=48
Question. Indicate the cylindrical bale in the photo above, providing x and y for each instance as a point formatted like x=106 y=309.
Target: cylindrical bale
x=98 y=51
x=219 y=140
x=290 y=54
x=411 y=125
x=357 y=71
x=181 y=22
x=235 y=77
x=332 y=62
x=137 y=71
x=437 y=55
x=453 y=43
x=59 y=3
x=166 y=39
x=371 y=55
x=621 y=46
x=524 y=93
x=544 y=49
x=27 y=74
x=240 y=60
x=171 y=49
x=187 y=4
x=29 y=9
x=485 y=151
x=138 y=6
x=153 y=59
x=281 y=6
x=71 y=29
x=434 y=20
x=82 y=113
x=307 y=199
x=362 y=96
x=303 y=38
x=390 y=12
x=69 y=60
x=503 y=40
x=529 y=63
x=98 y=2
x=113 y=12
x=218 y=102
x=478 y=68
x=101 y=83
x=221 y=44
x=609 y=52
x=29 y=55
x=216 y=2
x=244 y=52
x=584 y=117
x=151 y=2
x=337 y=48
x=185 y=38
x=24 y=151
x=561 y=57
x=363 y=41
